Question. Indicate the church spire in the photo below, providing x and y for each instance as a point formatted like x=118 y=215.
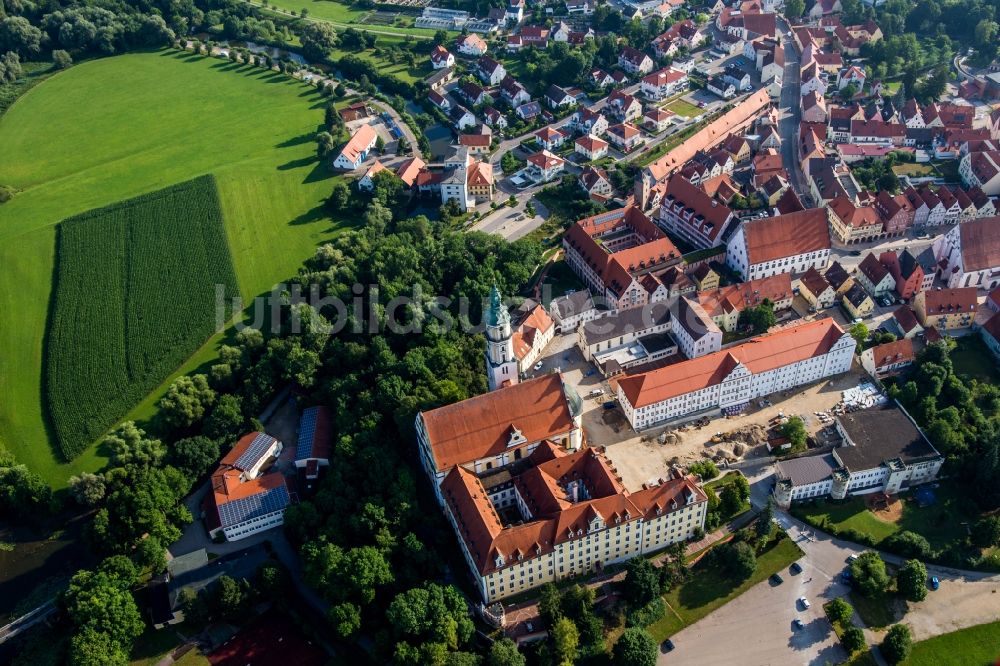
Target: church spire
x=501 y=364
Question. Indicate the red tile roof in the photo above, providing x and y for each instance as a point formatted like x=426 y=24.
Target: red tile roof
x=774 y=350
x=898 y=351
x=788 y=235
x=980 y=240
x=481 y=426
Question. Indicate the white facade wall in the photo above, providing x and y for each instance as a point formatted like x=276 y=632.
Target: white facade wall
x=742 y=386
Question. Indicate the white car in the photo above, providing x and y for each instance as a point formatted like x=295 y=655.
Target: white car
x=538 y=366
x=852 y=557
x=804 y=602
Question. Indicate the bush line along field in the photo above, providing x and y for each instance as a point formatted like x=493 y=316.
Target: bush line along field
x=252 y=129
x=135 y=295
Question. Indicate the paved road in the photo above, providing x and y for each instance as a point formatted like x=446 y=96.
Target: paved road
x=788 y=125
x=759 y=622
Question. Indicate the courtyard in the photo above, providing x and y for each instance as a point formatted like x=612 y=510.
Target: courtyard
x=640 y=457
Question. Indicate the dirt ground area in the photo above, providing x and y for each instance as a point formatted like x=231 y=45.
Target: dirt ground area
x=640 y=458
x=887 y=513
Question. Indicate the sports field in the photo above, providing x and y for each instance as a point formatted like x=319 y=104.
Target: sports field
x=115 y=128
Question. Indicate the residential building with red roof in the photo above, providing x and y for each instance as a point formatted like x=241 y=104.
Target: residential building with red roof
x=635 y=61
x=946 y=309
x=472 y=45
x=725 y=304
x=245 y=500
x=851 y=223
x=732 y=377
x=613 y=252
x=981 y=169
x=545 y=166
x=814 y=287
x=874 y=276
x=596 y=182
x=909 y=276
x=790 y=243
x=591 y=147
x=441 y=58
x=663 y=83
x=625 y=137
x=689 y=212
x=888 y=359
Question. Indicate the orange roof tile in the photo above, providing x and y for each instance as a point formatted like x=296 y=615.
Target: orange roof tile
x=482 y=426
x=771 y=238
x=767 y=352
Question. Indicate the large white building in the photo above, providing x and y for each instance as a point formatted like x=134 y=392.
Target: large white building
x=883 y=451
x=791 y=243
x=243 y=499
x=355 y=151
x=969 y=254
x=729 y=379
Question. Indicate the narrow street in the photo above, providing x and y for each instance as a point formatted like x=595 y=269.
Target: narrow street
x=788 y=126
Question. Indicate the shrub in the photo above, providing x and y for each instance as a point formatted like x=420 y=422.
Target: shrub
x=840 y=611
x=646 y=615
x=911 y=580
x=897 y=644
x=908 y=544
x=706 y=469
x=853 y=640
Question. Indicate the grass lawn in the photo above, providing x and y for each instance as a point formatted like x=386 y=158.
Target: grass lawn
x=683 y=108
x=129 y=125
x=154 y=644
x=709 y=589
x=562 y=278
x=913 y=169
x=974 y=646
x=344 y=15
x=972 y=359
x=949 y=171
x=874 y=611
x=841 y=516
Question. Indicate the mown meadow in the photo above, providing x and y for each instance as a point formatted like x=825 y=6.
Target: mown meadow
x=115 y=128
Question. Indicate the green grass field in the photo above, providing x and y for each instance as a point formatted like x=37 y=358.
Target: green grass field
x=973 y=359
x=115 y=128
x=135 y=296
x=973 y=646
x=342 y=15
x=940 y=523
x=684 y=108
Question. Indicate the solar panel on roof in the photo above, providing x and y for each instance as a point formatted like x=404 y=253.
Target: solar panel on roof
x=247 y=508
x=307 y=431
x=255 y=451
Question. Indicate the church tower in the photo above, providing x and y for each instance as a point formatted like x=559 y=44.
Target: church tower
x=501 y=366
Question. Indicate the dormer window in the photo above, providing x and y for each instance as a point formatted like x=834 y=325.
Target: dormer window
x=498 y=560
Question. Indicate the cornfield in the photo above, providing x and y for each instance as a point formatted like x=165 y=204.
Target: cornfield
x=134 y=297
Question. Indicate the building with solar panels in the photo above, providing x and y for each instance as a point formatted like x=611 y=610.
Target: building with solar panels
x=313 y=447
x=243 y=500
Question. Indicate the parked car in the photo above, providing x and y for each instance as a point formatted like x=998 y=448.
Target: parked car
x=778 y=580
x=935 y=583
x=667 y=645
x=610 y=404
x=796 y=568
x=852 y=557
x=538 y=366
x=596 y=392
x=798 y=623
x=804 y=602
